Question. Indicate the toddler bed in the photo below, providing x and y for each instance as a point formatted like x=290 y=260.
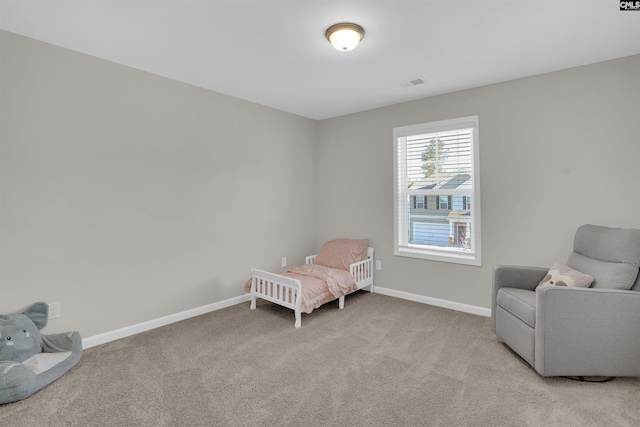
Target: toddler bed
x=341 y=267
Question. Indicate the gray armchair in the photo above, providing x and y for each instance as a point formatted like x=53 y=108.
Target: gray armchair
x=569 y=331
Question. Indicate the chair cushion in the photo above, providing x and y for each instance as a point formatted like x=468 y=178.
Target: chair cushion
x=519 y=302
x=610 y=255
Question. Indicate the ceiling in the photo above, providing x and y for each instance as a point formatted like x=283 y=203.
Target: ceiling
x=274 y=52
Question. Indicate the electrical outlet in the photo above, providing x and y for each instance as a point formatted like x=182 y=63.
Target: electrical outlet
x=378 y=265
x=54 y=310
x=284 y=261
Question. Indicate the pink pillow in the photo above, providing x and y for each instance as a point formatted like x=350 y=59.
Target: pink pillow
x=341 y=253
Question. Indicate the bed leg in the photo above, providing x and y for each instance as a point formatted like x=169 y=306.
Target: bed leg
x=298 y=319
x=253 y=302
x=341 y=302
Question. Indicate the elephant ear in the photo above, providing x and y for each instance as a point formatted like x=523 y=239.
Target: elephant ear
x=38 y=313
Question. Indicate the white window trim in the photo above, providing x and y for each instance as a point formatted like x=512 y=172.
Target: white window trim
x=434 y=253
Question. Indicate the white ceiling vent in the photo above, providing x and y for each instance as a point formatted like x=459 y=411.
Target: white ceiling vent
x=413 y=82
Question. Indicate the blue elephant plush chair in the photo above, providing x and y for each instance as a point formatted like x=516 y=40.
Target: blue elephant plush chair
x=29 y=360
x=564 y=330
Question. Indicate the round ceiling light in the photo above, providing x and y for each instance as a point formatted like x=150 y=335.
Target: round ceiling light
x=345 y=36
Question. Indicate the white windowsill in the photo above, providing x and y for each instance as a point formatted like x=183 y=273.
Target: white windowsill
x=444 y=255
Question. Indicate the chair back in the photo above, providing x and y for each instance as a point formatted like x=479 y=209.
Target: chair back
x=610 y=255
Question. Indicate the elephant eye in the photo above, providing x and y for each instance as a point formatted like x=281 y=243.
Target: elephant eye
x=8 y=338
x=24 y=330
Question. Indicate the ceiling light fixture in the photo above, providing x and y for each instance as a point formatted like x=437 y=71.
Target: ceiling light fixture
x=345 y=36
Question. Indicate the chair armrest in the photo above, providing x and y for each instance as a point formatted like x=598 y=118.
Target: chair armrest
x=57 y=343
x=16 y=382
x=514 y=276
x=587 y=331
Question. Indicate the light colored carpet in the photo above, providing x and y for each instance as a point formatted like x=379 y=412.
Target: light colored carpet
x=381 y=361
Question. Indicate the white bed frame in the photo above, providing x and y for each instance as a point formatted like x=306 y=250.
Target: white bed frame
x=287 y=292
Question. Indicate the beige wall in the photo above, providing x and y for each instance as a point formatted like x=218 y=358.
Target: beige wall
x=127 y=197
x=556 y=151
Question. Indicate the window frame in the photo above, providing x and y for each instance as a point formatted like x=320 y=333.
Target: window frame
x=402 y=247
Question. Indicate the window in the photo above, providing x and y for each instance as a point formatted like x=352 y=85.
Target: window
x=443 y=202
x=437 y=163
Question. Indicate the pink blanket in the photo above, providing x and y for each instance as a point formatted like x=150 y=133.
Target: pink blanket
x=320 y=284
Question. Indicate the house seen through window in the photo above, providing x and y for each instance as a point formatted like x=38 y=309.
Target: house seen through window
x=436 y=179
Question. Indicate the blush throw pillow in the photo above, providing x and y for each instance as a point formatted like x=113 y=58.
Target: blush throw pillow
x=341 y=253
x=561 y=275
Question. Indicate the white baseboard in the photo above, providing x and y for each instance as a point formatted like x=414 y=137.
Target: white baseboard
x=452 y=305
x=166 y=320
x=162 y=321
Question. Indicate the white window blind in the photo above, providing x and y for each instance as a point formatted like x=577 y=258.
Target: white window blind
x=438 y=163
